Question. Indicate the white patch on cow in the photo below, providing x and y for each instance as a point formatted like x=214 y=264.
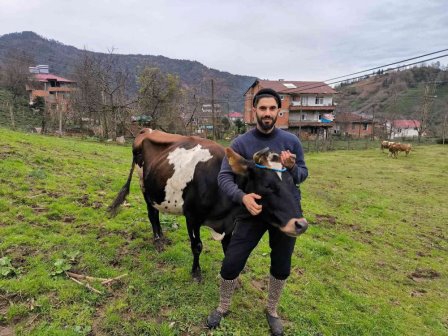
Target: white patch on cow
x=277 y=165
x=273 y=162
x=184 y=162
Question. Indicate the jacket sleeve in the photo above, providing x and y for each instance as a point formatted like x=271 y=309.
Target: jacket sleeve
x=226 y=180
x=299 y=171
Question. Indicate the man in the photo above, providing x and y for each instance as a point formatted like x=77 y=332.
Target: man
x=249 y=229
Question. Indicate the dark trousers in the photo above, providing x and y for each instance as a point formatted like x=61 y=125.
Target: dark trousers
x=248 y=232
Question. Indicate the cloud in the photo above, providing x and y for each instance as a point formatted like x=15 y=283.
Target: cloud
x=269 y=39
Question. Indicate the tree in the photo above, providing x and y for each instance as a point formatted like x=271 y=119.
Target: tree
x=160 y=97
x=104 y=93
x=14 y=77
x=241 y=128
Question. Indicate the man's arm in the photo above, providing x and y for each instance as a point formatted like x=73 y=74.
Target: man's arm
x=296 y=168
x=226 y=182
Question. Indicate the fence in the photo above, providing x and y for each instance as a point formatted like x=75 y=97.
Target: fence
x=332 y=143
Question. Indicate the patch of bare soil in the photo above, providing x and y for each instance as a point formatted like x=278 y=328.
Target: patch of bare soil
x=418 y=292
x=38 y=208
x=424 y=274
x=321 y=219
x=68 y=219
x=261 y=285
x=6 y=331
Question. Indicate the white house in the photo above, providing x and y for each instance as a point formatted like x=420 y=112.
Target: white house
x=403 y=128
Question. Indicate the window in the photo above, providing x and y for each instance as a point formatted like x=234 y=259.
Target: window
x=364 y=127
x=319 y=100
x=303 y=117
x=282 y=97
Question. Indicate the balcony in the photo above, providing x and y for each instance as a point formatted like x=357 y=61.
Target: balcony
x=310 y=123
x=293 y=107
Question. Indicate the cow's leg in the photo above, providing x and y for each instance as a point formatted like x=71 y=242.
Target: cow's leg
x=153 y=216
x=196 y=247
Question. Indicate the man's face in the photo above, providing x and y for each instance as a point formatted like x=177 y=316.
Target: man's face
x=266 y=112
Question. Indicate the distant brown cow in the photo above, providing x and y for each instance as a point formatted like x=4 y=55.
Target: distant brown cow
x=385 y=144
x=394 y=148
x=405 y=148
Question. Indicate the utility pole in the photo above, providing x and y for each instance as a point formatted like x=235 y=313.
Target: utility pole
x=213 y=110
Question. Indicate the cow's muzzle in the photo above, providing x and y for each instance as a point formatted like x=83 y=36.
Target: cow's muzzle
x=295 y=227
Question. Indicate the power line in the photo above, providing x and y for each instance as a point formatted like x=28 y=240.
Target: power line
x=359 y=77
x=380 y=67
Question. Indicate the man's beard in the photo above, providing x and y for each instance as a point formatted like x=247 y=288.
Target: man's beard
x=266 y=126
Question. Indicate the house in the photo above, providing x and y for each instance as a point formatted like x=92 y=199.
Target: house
x=403 y=128
x=233 y=116
x=307 y=107
x=54 y=89
x=353 y=125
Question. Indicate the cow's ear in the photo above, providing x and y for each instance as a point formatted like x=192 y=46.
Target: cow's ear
x=236 y=162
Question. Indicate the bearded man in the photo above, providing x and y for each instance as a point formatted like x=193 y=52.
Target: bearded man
x=249 y=229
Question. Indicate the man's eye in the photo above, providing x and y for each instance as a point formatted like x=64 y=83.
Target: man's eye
x=263 y=108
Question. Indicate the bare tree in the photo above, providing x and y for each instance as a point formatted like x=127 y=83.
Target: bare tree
x=14 y=77
x=424 y=114
x=103 y=93
x=161 y=98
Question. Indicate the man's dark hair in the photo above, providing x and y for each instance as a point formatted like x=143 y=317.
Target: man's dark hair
x=267 y=93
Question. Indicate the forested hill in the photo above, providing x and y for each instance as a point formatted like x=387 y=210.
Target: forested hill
x=61 y=58
x=397 y=94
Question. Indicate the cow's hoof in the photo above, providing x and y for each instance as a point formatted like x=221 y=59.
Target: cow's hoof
x=214 y=319
x=159 y=244
x=197 y=275
x=275 y=324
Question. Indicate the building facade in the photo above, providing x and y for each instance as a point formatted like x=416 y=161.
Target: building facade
x=307 y=107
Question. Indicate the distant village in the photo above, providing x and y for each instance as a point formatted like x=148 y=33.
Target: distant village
x=308 y=111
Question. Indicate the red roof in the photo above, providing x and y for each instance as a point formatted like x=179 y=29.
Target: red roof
x=235 y=115
x=405 y=123
x=47 y=77
x=296 y=86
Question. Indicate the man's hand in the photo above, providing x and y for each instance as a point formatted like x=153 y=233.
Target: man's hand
x=288 y=159
x=251 y=205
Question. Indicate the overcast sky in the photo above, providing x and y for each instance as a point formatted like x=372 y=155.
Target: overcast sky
x=295 y=40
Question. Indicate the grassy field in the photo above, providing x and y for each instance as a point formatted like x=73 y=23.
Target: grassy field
x=373 y=262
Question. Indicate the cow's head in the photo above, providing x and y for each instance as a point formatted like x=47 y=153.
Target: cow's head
x=264 y=176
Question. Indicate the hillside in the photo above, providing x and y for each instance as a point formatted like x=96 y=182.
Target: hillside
x=398 y=94
x=61 y=59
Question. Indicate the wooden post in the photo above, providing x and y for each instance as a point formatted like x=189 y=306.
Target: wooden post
x=11 y=114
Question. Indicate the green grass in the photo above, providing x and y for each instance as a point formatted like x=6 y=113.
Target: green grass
x=373 y=261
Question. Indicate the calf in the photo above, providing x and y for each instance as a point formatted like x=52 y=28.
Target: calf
x=179 y=176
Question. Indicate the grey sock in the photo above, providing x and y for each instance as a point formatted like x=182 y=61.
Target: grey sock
x=275 y=290
x=226 y=290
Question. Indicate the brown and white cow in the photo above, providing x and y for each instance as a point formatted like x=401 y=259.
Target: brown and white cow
x=180 y=177
x=398 y=147
x=385 y=144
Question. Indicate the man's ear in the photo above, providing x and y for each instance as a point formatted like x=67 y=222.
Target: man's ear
x=236 y=162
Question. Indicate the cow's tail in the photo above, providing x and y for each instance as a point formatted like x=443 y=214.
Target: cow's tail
x=113 y=208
